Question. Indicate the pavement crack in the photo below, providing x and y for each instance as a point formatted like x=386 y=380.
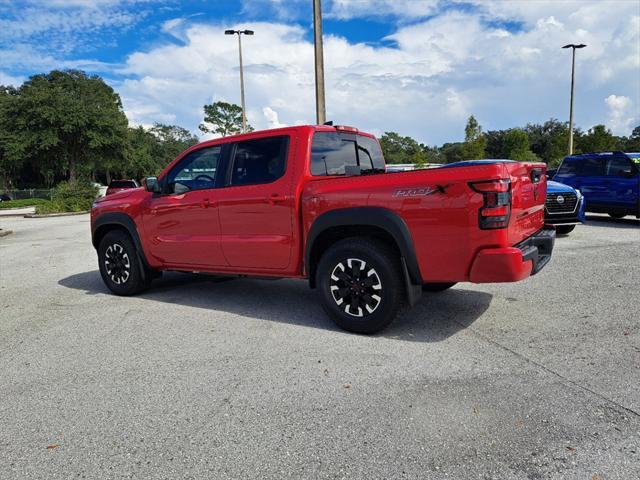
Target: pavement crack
x=548 y=370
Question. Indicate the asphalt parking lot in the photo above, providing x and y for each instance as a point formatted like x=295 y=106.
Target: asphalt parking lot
x=198 y=378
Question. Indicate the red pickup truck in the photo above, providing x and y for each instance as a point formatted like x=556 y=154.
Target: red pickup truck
x=315 y=202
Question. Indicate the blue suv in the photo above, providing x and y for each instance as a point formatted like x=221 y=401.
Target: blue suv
x=564 y=207
x=610 y=182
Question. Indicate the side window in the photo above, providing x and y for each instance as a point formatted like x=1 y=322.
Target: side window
x=618 y=167
x=196 y=171
x=590 y=167
x=259 y=161
x=331 y=152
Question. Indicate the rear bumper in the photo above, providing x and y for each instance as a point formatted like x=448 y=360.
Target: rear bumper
x=511 y=264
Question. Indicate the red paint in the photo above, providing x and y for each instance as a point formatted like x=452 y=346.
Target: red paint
x=262 y=229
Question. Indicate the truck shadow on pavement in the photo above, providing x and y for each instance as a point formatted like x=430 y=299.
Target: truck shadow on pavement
x=436 y=317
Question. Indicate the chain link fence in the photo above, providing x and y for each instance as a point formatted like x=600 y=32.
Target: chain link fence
x=28 y=193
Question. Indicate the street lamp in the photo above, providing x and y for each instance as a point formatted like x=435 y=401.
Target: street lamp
x=240 y=33
x=573 y=73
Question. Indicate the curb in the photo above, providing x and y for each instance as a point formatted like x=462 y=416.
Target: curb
x=8 y=215
x=62 y=214
x=4 y=233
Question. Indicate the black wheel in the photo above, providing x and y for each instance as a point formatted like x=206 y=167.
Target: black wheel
x=437 y=287
x=565 y=229
x=120 y=266
x=360 y=282
x=617 y=215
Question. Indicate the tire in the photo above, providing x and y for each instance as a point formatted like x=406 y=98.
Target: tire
x=437 y=287
x=617 y=216
x=361 y=284
x=120 y=265
x=565 y=229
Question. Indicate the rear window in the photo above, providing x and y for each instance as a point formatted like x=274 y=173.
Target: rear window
x=123 y=184
x=331 y=152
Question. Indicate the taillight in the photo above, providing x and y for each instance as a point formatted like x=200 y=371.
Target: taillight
x=496 y=211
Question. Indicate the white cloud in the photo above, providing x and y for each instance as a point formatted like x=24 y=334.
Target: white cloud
x=345 y=9
x=438 y=72
x=621 y=114
x=441 y=64
x=6 y=79
x=272 y=118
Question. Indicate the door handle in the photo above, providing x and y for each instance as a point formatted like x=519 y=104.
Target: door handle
x=275 y=198
x=205 y=203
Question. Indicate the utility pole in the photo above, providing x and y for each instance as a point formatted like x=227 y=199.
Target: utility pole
x=321 y=113
x=573 y=74
x=240 y=33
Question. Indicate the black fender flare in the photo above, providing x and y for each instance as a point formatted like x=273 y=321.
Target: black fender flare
x=379 y=217
x=121 y=220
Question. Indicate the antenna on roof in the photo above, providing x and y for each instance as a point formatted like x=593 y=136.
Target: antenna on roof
x=330 y=123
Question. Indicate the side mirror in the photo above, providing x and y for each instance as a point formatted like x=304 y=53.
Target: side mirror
x=151 y=184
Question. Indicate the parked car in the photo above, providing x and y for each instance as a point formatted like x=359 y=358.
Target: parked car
x=118 y=185
x=4 y=197
x=102 y=189
x=315 y=202
x=610 y=182
x=564 y=207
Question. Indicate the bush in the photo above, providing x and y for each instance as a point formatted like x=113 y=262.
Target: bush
x=69 y=197
x=27 y=202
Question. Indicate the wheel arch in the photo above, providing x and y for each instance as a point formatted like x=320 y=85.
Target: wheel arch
x=376 y=222
x=108 y=222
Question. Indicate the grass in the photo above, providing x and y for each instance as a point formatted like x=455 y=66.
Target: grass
x=27 y=202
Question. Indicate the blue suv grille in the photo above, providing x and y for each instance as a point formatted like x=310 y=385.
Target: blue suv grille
x=561 y=202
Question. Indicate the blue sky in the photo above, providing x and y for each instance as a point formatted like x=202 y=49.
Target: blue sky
x=419 y=67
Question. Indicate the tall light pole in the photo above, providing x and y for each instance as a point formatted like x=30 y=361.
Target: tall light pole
x=240 y=33
x=573 y=75
x=321 y=113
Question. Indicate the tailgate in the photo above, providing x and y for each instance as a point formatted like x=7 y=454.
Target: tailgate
x=528 y=194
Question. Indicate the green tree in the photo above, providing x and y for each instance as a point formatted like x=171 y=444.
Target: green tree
x=69 y=122
x=452 y=152
x=224 y=118
x=597 y=139
x=516 y=145
x=398 y=149
x=474 y=140
x=549 y=141
x=11 y=154
x=171 y=140
x=632 y=142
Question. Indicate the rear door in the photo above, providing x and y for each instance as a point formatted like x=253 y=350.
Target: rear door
x=256 y=206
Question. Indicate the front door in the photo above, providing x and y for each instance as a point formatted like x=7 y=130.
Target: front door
x=589 y=180
x=256 y=206
x=182 y=222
